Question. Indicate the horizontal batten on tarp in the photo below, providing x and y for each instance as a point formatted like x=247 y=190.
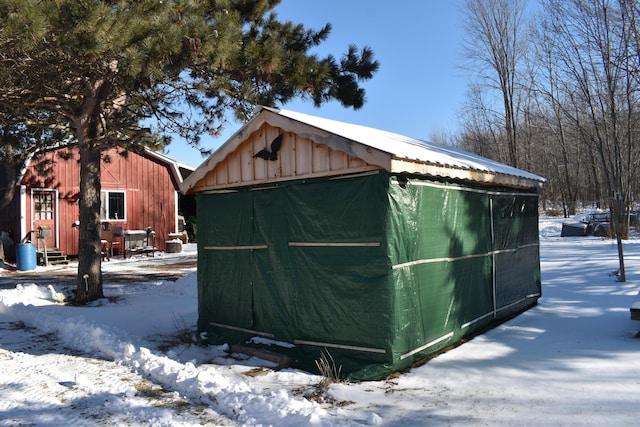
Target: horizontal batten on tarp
x=529 y=245
x=433 y=260
x=344 y=347
x=235 y=248
x=466 y=325
x=427 y=345
x=504 y=307
x=503 y=251
x=239 y=329
x=337 y=244
x=453 y=259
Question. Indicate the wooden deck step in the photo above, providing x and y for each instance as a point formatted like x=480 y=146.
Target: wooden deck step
x=53 y=256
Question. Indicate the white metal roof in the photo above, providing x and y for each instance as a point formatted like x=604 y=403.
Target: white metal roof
x=404 y=147
x=394 y=152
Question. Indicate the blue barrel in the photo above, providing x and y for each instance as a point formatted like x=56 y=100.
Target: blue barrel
x=25 y=256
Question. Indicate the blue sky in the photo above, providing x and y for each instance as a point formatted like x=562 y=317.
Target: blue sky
x=419 y=88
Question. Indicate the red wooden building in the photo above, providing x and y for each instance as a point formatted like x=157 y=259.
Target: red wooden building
x=138 y=191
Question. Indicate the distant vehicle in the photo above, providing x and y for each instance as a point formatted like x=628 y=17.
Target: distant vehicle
x=588 y=224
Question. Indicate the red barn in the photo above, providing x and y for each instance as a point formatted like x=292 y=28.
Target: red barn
x=138 y=191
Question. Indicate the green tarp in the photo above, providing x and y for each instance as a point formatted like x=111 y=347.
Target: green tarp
x=380 y=273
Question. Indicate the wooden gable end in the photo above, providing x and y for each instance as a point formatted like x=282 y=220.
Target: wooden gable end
x=298 y=157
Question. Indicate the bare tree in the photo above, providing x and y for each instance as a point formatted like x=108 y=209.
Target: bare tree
x=496 y=45
x=481 y=133
x=591 y=46
x=563 y=155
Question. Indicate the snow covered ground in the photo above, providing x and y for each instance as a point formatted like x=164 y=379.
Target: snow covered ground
x=571 y=360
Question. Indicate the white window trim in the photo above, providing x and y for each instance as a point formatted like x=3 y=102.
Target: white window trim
x=104 y=209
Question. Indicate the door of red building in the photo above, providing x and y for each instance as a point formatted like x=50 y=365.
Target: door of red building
x=44 y=217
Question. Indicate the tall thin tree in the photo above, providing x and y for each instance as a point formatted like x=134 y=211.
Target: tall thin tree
x=591 y=50
x=496 y=45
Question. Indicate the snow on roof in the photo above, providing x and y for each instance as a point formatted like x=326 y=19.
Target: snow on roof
x=404 y=147
x=394 y=152
x=179 y=169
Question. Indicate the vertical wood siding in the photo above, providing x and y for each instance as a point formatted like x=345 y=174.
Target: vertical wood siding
x=299 y=157
x=147 y=183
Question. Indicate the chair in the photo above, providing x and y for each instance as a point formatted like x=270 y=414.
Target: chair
x=106 y=240
x=117 y=240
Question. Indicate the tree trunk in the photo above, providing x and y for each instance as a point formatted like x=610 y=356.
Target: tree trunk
x=89 y=278
x=616 y=221
x=12 y=162
x=7 y=193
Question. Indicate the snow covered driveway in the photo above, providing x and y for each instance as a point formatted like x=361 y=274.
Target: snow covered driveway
x=571 y=360
x=51 y=384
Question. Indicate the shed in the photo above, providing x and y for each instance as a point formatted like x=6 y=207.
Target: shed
x=377 y=248
x=138 y=190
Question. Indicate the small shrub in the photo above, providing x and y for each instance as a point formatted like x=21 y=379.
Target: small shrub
x=328 y=369
x=183 y=336
x=330 y=374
